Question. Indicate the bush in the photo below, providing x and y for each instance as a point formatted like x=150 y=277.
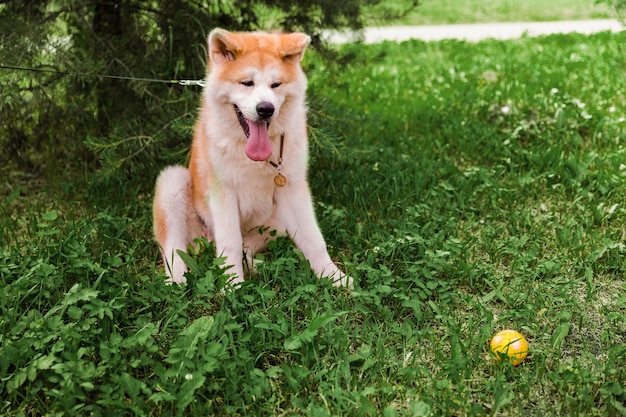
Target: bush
x=57 y=114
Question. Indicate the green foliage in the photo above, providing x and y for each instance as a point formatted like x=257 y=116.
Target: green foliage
x=619 y=6
x=62 y=110
x=485 y=190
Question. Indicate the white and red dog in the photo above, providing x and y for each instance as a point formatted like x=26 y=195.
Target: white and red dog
x=247 y=173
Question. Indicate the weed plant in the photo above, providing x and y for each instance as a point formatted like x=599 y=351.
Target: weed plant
x=479 y=187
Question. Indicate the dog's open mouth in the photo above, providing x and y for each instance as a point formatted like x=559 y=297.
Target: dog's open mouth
x=258 y=147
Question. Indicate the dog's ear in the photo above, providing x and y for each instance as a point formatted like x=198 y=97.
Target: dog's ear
x=223 y=46
x=293 y=46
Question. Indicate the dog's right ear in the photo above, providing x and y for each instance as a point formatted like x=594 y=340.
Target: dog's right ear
x=223 y=46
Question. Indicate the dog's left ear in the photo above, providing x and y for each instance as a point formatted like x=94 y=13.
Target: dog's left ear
x=293 y=46
x=223 y=46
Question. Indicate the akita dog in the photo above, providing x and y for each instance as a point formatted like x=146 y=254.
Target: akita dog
x=247 y=173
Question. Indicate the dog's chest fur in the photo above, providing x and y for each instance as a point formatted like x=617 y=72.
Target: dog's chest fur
x=251 y=182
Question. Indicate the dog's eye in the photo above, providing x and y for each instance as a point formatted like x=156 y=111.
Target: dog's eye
x=247 y=83
x=276 y=85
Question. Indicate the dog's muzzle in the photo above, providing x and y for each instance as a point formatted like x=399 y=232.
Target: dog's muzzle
x=242 y=122
x=258 y=146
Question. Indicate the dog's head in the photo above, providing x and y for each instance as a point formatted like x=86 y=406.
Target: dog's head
x=255 y=74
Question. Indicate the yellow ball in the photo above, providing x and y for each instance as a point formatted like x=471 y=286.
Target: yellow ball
x=510 y=343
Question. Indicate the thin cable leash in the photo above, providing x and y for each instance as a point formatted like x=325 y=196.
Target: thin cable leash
x=113 y=77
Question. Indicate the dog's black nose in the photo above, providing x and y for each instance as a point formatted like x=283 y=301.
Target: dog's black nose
x=265 y=110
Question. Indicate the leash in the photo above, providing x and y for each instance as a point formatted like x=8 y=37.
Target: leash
x=113 y=77
x=280 y=180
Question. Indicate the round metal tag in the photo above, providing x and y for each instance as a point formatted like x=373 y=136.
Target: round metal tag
x=280 y=180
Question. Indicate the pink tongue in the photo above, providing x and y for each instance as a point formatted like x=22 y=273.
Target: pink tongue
x=258 y=147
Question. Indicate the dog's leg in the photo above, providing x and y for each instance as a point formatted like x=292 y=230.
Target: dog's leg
x=228 y=237
x=172 y=209
x=255 y=241
x=298 y=218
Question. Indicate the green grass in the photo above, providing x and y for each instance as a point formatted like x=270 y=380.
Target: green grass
x=479 y=187
x=439 y=12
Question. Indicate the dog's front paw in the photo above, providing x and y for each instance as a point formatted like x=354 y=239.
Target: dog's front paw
x=176 y=275
x=343 y=280
x=232 y=283
x=336 y=276
x=176 y=279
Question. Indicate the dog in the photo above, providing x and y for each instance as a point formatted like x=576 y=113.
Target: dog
x=246 y=181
